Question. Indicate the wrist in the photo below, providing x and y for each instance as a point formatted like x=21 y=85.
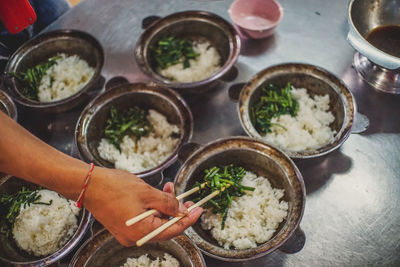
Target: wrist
x=60 y=173
x=69 y=178
x=94 y=188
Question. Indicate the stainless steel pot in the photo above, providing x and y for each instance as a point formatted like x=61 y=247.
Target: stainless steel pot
x=258 y=158
x=193 y=24
x=46 y=45
x=317 y=81
x=11 y=255
x=104 y=250
x=90 y=125
x=378 y=68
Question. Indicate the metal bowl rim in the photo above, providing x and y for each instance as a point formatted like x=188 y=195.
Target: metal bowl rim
x=169 y=160
x=345 y=129
x=350 y=21
x=296 y=171
x=65 y=249
x=12 y=104
x=231 y=60
x=55 y=35
x=110 y=236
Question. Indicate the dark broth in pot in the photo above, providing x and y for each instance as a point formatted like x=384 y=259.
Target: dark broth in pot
x=386 y=38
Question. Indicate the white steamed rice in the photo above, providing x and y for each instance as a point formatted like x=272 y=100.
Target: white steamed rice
x=65 y=78
x=252 y=219
x=146 y=261
x=44 y=229
x=309 y=129
x=145 y=153
x=200 y=68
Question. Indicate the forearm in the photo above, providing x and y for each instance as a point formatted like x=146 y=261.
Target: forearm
x=25 y=156
x=112 y=196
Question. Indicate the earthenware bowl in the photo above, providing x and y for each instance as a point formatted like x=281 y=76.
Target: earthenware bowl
x=317 y=81
x=11 y=255
x=193 y=25
x=254 y=156
x=46 y=45
x=91 y=123
x=104 y=250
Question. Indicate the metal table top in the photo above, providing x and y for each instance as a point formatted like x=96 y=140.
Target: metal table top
x=352 y=214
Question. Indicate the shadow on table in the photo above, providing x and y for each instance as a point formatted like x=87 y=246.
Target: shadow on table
x=215 y=116
x=318 y=172
x=56 y=130
x=252 y=47
x=382 y=109
x=276 y=258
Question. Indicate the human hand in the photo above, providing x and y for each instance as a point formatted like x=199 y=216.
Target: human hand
x=114 y=196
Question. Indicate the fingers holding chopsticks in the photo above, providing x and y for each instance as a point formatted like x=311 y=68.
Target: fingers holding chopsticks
x=168 y=188
x=115 y=196
x=153 y=222
x=165 y=202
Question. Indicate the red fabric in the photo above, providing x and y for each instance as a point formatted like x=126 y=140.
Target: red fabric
x=16 y=15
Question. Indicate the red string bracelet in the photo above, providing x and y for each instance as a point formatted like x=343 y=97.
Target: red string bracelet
x=82 y=194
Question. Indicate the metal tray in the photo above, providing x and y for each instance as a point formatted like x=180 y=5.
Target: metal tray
x=352 y=216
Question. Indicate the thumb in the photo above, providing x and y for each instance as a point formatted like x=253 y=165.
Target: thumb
x=166 y=203
x=169 y=188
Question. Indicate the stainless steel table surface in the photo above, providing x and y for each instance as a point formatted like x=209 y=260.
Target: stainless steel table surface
x=352 y=213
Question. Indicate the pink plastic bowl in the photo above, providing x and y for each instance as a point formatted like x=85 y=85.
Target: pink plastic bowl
x=256 y=19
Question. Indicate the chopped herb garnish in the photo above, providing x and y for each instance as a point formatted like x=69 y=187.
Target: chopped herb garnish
x=30 y=80
x=170 y=51
x=132 y=122
x=216 y=178
x=273 y=102
x=11 y=206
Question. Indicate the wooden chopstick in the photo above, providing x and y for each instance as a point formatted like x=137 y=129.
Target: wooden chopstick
x=153 y=234
x=152 y=211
